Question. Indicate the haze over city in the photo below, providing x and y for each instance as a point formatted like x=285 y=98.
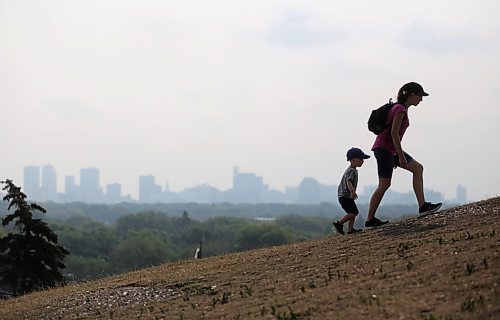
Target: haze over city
x=185 y=91
x=248 y=188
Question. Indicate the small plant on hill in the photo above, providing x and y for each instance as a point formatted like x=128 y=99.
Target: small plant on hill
x=30 y=258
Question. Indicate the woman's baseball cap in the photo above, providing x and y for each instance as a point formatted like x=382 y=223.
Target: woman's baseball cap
x=413 y=87
x=356 y=153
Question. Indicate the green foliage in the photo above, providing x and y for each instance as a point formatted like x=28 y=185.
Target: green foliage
x=30 y=258
x=262 y=235
x=220 y=234
x=305 y=227
x=147 y=220
x=140 y=249
x=86 y=238
x=108 y=214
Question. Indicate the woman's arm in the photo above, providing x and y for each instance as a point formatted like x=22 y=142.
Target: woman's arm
x=396 y=125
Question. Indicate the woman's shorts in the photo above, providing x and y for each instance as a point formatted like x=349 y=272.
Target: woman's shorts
x=348 y=205
x=387 y=162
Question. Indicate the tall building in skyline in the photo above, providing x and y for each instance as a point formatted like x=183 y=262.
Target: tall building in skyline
x=113 y=192
x=149 y=191
x=247 y=187
x=31 y=182
x=309 y=191
x=461 y=194
x=89 y=179
x=70 y=184
x=90 y=189
x=49 y=183
x=202 y=194
x=70 y=189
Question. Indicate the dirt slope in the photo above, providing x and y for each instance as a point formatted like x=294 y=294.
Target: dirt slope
x=444 y=266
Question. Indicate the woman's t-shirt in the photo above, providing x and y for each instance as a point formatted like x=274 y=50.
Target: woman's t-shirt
x=384 y=140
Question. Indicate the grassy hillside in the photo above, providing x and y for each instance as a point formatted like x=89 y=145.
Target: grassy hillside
x=444 y=266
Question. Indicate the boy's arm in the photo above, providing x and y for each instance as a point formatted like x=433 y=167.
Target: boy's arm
x=352 y=190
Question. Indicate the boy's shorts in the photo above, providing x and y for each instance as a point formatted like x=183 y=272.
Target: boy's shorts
x=386 y=162
x=348 y=205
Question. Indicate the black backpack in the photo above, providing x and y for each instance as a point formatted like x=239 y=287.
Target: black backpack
x=378 y=117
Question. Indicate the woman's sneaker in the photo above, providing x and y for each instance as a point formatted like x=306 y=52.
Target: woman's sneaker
x=339 y=227
x=354 y=231
x=374 y=222
x=429 y=208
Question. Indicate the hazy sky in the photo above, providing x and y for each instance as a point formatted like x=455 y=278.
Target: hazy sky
x=185 y=90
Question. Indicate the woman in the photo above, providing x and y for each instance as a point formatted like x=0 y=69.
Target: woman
x=389 y=154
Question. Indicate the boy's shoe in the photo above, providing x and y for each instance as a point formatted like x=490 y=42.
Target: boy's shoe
x=374 y=222
x=354 y=231
x=339 y=227
x=429 y=208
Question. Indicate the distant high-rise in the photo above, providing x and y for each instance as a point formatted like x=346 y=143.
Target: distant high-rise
x=89 y=185
x=113 y=192
x=89 y=179
x=461 y=194
x=202 y=194
x=148 y=189
x=70 y=189
x=32 y=182
x=247 y=187
x=69 y=184
x=309 y=191
x=49 y=183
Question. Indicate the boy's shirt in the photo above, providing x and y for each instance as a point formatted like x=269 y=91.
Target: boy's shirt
x=349 y=174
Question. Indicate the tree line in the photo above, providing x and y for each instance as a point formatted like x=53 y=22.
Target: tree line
x=151 y=238
x=109 y=213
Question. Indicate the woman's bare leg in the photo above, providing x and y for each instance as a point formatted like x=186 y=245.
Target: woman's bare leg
x=418 y=180
x=378 y=194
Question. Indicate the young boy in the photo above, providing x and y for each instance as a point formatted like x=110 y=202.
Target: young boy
x=347 y=190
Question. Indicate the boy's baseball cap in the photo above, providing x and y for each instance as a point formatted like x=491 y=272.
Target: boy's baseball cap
x=356 y=153
x=413 y=87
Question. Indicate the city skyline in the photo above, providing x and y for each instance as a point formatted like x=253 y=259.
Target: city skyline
x=41 y=185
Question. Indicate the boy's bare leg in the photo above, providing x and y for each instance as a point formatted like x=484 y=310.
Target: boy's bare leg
x=351 y=223
x=348 y=217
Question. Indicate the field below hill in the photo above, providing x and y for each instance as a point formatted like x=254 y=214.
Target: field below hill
x=443 y=266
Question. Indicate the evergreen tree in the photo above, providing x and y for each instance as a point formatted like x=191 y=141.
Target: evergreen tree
x=30 y=258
